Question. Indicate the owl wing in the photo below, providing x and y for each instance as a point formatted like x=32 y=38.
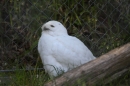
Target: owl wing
x=70 y=51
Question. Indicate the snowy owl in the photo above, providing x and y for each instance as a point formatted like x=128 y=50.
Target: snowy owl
x=60 y=52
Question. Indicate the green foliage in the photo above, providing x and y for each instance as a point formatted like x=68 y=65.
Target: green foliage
x=30 y=78
x=25 y=78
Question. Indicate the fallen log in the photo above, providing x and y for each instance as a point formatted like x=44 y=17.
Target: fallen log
x=107 y=68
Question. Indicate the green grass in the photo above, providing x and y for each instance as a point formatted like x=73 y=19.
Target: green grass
x=25 y=78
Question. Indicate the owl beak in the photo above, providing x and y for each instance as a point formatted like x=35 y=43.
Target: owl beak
x=45 y=28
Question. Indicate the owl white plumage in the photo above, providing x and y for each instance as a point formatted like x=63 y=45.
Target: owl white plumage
x=60 y=52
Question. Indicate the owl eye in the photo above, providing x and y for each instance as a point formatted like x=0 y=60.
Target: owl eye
x=52 y=25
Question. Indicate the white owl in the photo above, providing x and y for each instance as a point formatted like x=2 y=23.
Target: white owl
x=60 y=52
